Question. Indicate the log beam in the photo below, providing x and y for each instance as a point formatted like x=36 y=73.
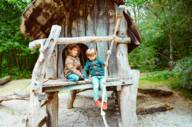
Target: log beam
x=14 y=97
x=4 y=80
x=85 y=40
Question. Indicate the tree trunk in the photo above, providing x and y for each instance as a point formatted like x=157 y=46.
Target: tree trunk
x=171 y=61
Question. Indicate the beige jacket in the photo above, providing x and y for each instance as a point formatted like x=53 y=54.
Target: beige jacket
x=72 y=65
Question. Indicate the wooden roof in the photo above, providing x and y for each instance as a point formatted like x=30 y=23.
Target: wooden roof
x=40 y=15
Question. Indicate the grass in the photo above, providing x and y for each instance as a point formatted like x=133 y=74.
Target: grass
x=15 y=73
x=161 y=79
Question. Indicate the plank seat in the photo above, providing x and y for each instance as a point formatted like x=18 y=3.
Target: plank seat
x=62 y=84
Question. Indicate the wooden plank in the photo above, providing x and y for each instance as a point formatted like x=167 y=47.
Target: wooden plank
x=63 y=82
x=113 y=60
x=52 y=109
x=101 y=27
x=84 y=86
x=60 y=68
x=90 y=27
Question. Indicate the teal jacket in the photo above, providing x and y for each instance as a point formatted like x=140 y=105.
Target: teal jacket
x=93 y=68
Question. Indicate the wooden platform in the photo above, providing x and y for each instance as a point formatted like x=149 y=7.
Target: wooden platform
x=62 y=85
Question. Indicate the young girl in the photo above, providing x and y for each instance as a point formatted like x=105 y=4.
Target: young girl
x=95 y=68
x=72 y=70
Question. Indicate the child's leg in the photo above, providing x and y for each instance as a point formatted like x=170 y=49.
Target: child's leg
x=95 y=83
x=73 y=77
x=103 y=88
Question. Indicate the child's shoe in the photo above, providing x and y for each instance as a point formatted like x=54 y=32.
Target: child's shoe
x=98 y=103
x=105 y=106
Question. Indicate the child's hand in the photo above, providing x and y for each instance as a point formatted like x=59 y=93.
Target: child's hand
x=86 y=79
x=81 y=76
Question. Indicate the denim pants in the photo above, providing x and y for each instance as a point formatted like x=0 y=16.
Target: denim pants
x=73 y=77
x=97 y=81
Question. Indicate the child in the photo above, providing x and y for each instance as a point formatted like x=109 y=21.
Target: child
x=95 y=68
x=72 y=70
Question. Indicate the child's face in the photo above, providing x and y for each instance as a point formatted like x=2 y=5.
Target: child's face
x=74 y=52
x=92 y=58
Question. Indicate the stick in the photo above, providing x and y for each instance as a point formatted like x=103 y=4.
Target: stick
x=156 y=92
x=154 y=108
x=5 y=80
x=14 y=96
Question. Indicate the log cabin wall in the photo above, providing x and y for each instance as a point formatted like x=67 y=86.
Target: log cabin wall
x=77 y=18
x=88 y=18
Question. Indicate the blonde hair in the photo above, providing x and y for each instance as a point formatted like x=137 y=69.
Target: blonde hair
x=90 y=52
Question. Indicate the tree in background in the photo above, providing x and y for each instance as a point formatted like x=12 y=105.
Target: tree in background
x=165 y=26
x=167 y=42
x=15 y=57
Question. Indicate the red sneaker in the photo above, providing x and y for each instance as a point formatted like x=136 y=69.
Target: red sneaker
x=98 y=103
x=105 y=106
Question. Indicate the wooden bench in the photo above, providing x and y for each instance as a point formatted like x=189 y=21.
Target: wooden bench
x=62 y=85
x=128 y=91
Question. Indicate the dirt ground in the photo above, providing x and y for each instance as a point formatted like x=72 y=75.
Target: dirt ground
x=85 y=114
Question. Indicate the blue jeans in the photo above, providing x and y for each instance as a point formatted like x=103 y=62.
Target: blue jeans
x=73 y=77
x=97 y=81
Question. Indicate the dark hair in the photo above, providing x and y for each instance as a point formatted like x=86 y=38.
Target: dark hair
x=72 y=46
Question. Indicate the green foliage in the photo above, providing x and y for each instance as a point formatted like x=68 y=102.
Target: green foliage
x=158 y=75
x=16 y=73
x=15 y=57
x=166 y=31
x=183 y=70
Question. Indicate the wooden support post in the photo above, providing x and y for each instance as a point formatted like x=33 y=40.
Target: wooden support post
x=51 y=62
x=36 y=115
x=45 y=67
x=128 y=93
x=71 y=99
x=52 y=109
x=128 y=99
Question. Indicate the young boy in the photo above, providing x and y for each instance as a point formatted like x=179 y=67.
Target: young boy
x=72 y=70
x=95 y=68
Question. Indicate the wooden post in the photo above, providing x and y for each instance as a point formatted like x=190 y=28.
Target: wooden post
x=45 y=66
x=128 y=93
x=51 y=62
x=71 y=99
x=128 y=99
x=36 y=115
x=52 y=109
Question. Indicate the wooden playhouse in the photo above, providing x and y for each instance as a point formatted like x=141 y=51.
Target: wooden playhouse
x=54 y=24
